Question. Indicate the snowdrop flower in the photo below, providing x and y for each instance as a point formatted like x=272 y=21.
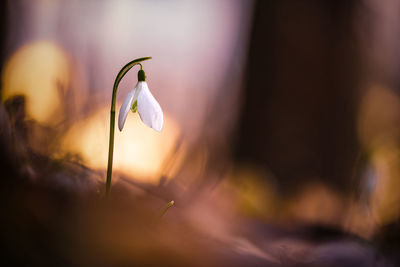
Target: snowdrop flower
x=140 y=99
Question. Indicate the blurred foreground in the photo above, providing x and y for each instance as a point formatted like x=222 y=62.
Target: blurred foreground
x=54 y=213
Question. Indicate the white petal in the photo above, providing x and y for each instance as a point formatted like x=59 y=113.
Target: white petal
x=149 y=110
x=126 y=106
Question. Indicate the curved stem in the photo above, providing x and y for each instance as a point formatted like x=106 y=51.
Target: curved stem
x=119 y=77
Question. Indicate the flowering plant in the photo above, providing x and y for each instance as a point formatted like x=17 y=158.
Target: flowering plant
x=139 y=99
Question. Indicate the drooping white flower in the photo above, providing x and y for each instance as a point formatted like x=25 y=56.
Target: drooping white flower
x=149 y=110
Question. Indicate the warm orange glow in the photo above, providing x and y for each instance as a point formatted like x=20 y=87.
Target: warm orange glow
x=385 y=198
x=256 y=191
x=378 y=123
x=316 y=203
x=39 y=71
x=139 y=151
x=379 y=132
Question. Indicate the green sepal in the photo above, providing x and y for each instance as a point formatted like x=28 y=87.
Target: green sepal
x=141 y=75
x=134 y=107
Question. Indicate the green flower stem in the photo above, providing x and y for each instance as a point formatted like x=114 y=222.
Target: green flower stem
x=119 y=77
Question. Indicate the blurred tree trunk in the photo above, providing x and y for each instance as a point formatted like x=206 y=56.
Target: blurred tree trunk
x=299 y=111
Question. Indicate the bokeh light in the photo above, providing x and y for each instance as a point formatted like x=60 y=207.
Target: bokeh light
x=139 y=151
x=40 y=72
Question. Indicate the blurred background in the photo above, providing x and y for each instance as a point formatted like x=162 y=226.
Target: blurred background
x=280 y=145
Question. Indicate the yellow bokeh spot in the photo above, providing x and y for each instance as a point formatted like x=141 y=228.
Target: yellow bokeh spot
x=139 y=151
x=40 y=72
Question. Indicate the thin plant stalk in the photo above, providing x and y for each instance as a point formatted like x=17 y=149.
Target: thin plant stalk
x=169 y=205
x=119 y=77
